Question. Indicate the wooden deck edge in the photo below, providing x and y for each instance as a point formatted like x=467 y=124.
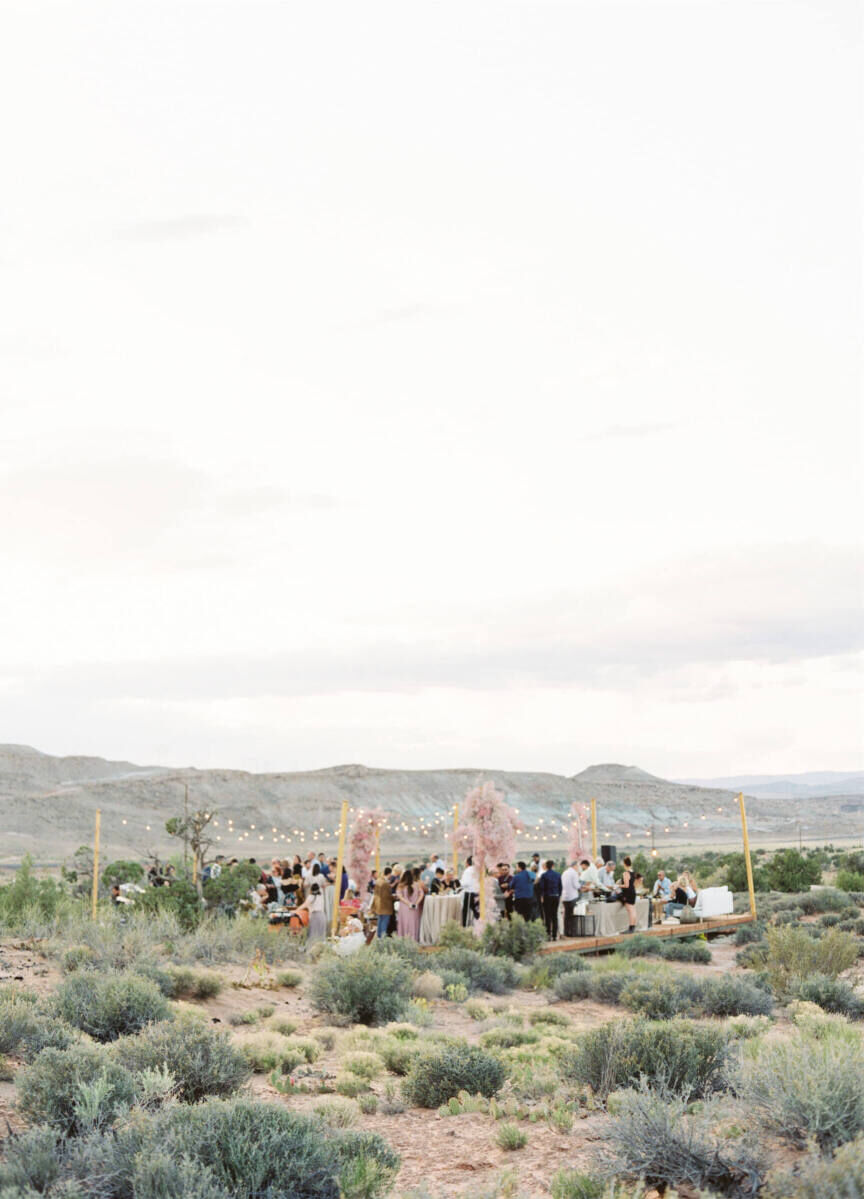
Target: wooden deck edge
x=717 y=924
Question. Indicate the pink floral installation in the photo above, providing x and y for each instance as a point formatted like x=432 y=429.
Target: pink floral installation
x=361 y=846
x=487 y=831
x=579 y=841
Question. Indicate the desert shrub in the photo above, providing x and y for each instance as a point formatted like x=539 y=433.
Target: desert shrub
x=548 y=1015
x=26 y=1029
x=405 y=948
x=107 y=1007
x=753 y=955
x=655 y=1138
x=367 y=1103
x=730 y=995
x=686 y=949
x=231 y=884
x=575 y=985
x=514 y=938
x=840 y=1176
x=678 y=1055
x=544 y=970
x=364 y=1065
x=573 y=1184
x=657 y=996
x=185 y=982
x=607 y=985
x=367 y=988
x=201 y=1060
x=27 y=898
x=122 y=871
x=806 y=1088
x=244 y=1019
x=179 y=900
x=788 y=916
x=436 y=1076
x=508 y=1038
x=340 y=1113
x=826 y=899
x=829 y=919
x=831 y=994
x=479 y=971
x=427 y=985
x=510 y=1137
x=49 y=1089
x=638 y=945
x=746 y=934
x=454 y=936
x=289 y=978
x=79 y=957
x=398 y=1055
x=256 y=1149
x=791 y=956
x=477 y=1009
x=350 y=1085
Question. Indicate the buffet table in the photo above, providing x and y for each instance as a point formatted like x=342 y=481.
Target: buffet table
x=437 y=910
x=610 y=919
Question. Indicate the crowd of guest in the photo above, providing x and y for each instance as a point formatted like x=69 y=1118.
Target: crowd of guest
x=302 y=892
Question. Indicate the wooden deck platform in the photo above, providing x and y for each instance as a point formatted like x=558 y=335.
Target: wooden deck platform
x=714 y=925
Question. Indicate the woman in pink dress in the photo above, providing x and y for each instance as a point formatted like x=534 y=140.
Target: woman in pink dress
x=410 y=895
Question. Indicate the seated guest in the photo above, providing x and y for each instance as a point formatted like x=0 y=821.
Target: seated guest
x=437 y=886
x=607 y=878
x=450 y=881
x=683 y=895
x=662 y=888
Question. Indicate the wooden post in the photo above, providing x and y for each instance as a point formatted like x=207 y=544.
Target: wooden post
x=593 y=831
x=747 y=861
x=337 y=882
x=95 y=896
x=455 y=842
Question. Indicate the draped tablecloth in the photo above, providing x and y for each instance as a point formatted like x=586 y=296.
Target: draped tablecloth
x=437 y=910
x=611 y=918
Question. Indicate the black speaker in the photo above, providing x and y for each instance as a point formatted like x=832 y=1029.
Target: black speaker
x=608 y=853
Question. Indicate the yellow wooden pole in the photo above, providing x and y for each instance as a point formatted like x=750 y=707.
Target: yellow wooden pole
x=747 y=861
x=95 y=896
x=377 y=851
x=337 y=882
x=593 y=830
x=455 y=843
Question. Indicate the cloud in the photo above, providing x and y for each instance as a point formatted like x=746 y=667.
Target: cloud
x=615 y=432
x=180 y=228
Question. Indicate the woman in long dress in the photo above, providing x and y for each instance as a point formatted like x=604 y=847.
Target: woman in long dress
x=314 y=905
x=410 y=895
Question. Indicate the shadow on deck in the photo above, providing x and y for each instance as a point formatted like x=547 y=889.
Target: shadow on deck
x=713 y=925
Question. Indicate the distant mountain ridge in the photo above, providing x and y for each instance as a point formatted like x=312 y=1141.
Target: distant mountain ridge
x=47 y=805
x=814 y=784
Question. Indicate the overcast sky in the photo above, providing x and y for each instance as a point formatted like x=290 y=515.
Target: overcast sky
x=432 y=384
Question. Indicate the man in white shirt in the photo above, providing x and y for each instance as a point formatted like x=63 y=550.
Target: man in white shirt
x=662 y=888
x=569 y=893
x=470 y=884
x=589 y=879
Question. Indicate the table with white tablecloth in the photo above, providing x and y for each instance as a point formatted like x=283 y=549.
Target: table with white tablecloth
x=437 y=910
x=610 y=919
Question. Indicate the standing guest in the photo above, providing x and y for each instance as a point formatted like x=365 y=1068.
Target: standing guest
x=589 y=879
x=627 y=893
x=373 y=879
x=470 y=883
x=429 y=870
x=505 y=882
x=323 y=863
x=571 y=892
x=343 y=885
x=314 y=905
x=382 y=903
x=410 y=895
x=607 y=877
x=534 y=865
x=297 y=866
x=523 y=892
x=550 y=898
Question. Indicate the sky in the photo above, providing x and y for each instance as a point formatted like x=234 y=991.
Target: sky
x=432 y=384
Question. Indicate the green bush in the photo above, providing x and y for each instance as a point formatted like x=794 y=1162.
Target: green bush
x=180 y=900
x=791 y=956
x=746 y=934
x=789 y=870
x=573 y=1184
x=27 y=1029
x=508 y=1038
x=657 y=996
x=686 y=949
x=185 y=982
x=49 y=1089
x=514 y=938
x=437 y=1076
x=260 y=1149
x=201 y=1060
x=107 y=1007
x=574 y=986
x=656 y=1139
x=832 y=995
x=850 y=880
x=510 y=1137
x=454 y=936
x=27 y=897
x=478 y=971
x=122 y=872
x=730 y=995
x=826 y=899
x=366 y=988
x=678 y=1055
x=232 y=884
x=806 y=1088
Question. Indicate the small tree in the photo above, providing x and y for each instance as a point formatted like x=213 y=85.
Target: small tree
x=193 y=829
x=788 y=870
x=735 y=865
x=122 y=871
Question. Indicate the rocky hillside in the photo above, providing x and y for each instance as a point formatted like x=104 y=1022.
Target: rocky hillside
x=47 y=806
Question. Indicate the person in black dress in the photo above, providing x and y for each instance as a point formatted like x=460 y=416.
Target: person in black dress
x=627 y=893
